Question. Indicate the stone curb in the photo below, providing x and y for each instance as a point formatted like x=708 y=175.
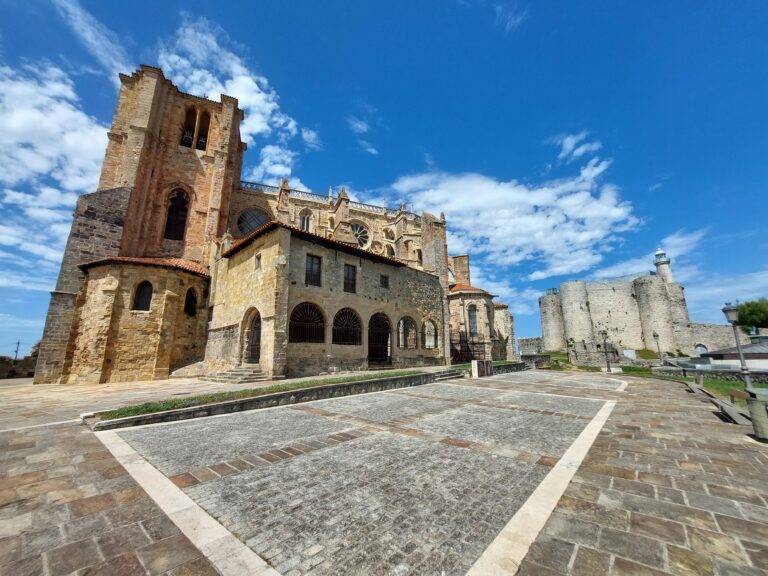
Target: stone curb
x=266 y=401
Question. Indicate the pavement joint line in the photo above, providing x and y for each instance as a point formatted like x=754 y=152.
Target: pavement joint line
x=535 y=391
x=622 y=384
x=43 y=425
x=229 y=556
x=504 y=555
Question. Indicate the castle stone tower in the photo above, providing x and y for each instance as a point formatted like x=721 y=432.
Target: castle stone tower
x=661 y=261
x=552 y=327
x=576 y=316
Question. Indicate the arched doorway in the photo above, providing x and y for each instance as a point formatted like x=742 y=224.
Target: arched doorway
x=379 y=339
x=700 y=350
x=252 y=349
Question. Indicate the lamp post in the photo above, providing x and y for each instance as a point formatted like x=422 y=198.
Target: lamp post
x=732 y=315
x=658 y=346
x=604 y=334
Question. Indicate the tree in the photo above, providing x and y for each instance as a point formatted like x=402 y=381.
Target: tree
x=753 y=314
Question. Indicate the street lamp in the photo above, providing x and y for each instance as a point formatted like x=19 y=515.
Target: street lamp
x=604 y=334
x=732 y=315
x=658 y=347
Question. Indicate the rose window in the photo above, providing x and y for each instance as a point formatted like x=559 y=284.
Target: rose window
x=361 y=234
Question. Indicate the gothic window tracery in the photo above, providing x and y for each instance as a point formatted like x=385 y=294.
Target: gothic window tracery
x=361 y=234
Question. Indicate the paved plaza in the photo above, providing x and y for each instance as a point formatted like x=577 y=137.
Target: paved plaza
x=439 y=478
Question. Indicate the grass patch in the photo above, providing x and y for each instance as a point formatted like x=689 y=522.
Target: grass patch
x=717 y=387
x=646 y=354
x=175 y=403
x=637 y=370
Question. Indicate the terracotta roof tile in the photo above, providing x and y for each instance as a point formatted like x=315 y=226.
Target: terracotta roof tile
x=174 y=263
x=465 y=288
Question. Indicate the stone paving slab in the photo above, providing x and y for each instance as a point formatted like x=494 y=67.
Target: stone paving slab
x=526 y=431
x=384 y=503
x=224 y=438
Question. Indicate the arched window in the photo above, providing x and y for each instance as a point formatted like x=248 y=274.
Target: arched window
x=347 y=328
x=305 y=220
x=419 y=257
x=361 y=234
x=190 y=303
x=430 y=335
x=472 y=315
x=389 y=234
x=142 y=298
x=307 y=324
x=250 y=219
x=700 y=349
x=390 y=251
x=406 y=333
x=202 y=130
x=188 y=132
x=176 y=220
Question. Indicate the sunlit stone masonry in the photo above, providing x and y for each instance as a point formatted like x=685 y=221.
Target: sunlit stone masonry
x=174 y=263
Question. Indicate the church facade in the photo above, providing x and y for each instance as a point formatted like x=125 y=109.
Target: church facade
x=174 y=263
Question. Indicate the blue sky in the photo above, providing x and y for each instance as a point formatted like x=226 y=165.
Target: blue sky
x=561 y=141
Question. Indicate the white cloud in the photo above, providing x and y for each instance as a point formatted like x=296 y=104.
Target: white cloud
x=566 y=224
x=368 y=147
x=357 y=125
x=199 y=60
x=676 y=245
x=51 y=151
x=707 y=296
x=311 y=139
x=509 y=16
x=574 y=146
x=100 y=41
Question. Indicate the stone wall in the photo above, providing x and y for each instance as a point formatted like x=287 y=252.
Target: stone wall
x=713 y=336
x=411 y=293
x=552 y=323
x=531 y=346
x=96 y=232
x=613 y=307
x=504 y=324
x=113 y=343
x=575 y=302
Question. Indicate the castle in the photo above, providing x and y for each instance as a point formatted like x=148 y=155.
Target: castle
x=648 y=312
x=174 y=263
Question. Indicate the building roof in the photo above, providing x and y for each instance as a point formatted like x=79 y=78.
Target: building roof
x=316 y=238
x=173 y=263
x=456 y=288
x=755 y=350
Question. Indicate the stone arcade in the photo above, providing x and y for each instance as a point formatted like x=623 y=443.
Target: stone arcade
x=175 y=262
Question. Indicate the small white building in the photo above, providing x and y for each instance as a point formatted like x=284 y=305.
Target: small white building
x=755 y=355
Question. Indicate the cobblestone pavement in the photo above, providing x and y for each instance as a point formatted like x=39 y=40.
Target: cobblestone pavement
x=68 y=507
x=413 y=481
x=667 y=488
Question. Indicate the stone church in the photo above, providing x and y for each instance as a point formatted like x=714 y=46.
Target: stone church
x=643 y=312
x=175 y=265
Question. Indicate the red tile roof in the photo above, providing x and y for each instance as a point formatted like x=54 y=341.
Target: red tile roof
x=316 y=238
x=465 y=288
x=174 y=263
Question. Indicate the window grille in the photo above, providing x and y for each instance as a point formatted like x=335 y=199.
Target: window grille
x=350 y=278
x=347 y=328
x=142 y=298
x=250 y=219
x=307 y=324
x=430 y=335
x=312 y=276
x=406 y=333
x=472 y=314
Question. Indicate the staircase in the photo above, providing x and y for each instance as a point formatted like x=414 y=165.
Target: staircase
x=245 y=374
x=448 y=375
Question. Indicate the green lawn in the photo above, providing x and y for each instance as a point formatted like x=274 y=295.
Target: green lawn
x=174 y=403
x=717 y=387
